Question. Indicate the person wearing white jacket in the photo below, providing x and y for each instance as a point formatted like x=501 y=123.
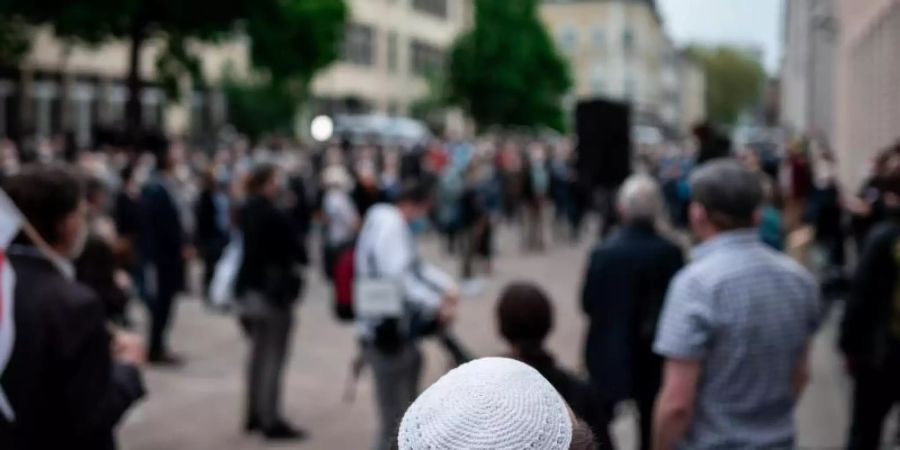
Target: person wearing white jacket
x=387 y=251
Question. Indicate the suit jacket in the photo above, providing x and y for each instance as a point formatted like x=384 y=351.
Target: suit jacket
x=61 y=381
x=272 y=250
x=163 y=239
x=623 y=294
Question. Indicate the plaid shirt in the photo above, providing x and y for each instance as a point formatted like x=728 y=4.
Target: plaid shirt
x=747 y=313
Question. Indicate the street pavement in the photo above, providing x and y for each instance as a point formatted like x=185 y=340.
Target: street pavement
x=200 y=406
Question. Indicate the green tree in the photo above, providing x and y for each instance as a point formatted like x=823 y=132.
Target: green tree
x=294 y=24
x=259 y=108
x=506 y=71
x=734 y=81
x=14 y=41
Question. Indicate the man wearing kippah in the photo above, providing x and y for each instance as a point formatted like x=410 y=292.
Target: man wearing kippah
x=736 y=326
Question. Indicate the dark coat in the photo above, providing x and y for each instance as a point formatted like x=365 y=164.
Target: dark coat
x=96 y=269
x=623 y=294
x=163 y=239
x=870 y=330
x=272 y=249
x=61 y=381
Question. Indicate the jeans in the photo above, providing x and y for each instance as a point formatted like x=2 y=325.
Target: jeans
x=396 y=386
x=269 y=329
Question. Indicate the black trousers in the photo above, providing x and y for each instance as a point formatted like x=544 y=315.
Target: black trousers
x=875 y=393
x=161 y=308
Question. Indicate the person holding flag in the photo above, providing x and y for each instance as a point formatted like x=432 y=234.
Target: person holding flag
x=69 y=379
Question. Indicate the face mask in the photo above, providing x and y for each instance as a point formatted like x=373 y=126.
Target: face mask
x=419 y=226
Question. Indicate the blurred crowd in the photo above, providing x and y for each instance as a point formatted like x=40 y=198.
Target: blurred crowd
x=712 y=346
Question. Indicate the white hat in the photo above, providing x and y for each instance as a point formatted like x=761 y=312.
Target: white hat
x=491 y=403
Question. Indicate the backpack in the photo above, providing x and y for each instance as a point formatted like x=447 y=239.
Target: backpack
x=343 y=280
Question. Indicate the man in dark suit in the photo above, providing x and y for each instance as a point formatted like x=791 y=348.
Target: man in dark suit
x=164 y=251
x=623 y=294
x=69 y=382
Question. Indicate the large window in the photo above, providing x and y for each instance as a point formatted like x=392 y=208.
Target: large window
x=568 y=39
x=425 y=58
x=433 y=7
x=359 y=45
x=393 y=46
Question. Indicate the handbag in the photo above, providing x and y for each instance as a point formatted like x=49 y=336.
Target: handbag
x=221 y=293
x=376 y=297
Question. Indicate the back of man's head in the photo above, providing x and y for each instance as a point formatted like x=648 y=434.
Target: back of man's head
x=640 y=200
x=730 y=194
x=414 y=192
x=46 y=195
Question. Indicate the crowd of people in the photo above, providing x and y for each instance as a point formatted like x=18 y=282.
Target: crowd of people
x=712 y=345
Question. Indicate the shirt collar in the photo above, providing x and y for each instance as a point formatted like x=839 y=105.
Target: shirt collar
x=63 y=265
x=725 y=240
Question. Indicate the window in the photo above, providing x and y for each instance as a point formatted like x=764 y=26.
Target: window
x=599 y=38
x=392 y=47
x=434 y=7
x=425 y=58
x=359 y=45
x=631 y=88
x=628 y=39
x=568 y=39
x=598 y=79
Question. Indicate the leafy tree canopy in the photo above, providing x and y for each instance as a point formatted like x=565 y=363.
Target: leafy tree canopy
x=291 y=39
x=506 y=71
x=734 y=81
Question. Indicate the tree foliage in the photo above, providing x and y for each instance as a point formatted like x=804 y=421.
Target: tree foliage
x=291 y=39
x=506 y=71
x=259 y=108
x=14 y=41
x=735 y=81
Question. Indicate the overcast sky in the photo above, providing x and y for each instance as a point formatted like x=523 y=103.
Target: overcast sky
x=754 y=22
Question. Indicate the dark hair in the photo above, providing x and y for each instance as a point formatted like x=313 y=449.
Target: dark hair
x=45 y=195
x=417 y=192
x=261 y=174
x=127 y=173
x=524 y=315
x=582 y=436
x=730 y=193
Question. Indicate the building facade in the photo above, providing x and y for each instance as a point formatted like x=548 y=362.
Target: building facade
x=59 y=88
x=619 y=50
x=808 y=69
x=391 y=47
x=868 y=84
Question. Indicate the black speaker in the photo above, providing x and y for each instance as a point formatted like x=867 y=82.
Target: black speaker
x=604 y=142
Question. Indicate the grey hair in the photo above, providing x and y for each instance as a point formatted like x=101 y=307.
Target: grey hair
x=730 y=193
x=640 y=200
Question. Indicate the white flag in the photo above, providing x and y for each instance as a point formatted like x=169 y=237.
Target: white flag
x=10 y=223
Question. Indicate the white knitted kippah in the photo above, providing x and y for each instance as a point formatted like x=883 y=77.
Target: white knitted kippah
x=490 y=404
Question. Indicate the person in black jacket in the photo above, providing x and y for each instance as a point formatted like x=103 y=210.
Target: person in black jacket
x=870 y=330
x=69 y=381
x=96 y=266
x=165 y=247
x=268 y=285
x=525 y=319
x=624 y=290
x=213 y=223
